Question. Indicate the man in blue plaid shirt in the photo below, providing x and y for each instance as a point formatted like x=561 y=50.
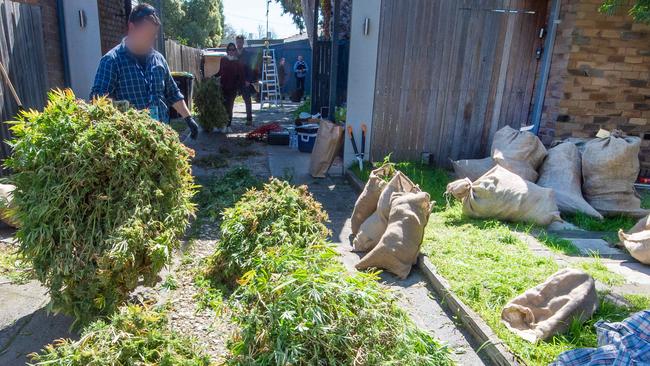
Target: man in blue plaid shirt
x=134 y=71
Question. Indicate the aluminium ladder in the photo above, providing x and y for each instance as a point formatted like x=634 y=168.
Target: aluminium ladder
x=270 y=93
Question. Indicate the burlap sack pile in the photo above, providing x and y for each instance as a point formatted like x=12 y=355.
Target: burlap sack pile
x=6 y=214
x=329 y=141
x=374 y=226
x=637 y=240
x=610 y=166
x=503 y=195
x=562 y=172
x=521 y=152
x=549 y=308
x=367 y=202
x=472 y=169
x=398 y=249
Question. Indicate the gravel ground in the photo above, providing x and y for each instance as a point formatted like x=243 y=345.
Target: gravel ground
x=215 y=154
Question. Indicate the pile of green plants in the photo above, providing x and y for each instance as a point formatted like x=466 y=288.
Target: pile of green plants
x=103 y=197
x=134 y=336
x=208 y=103
x=295 y=303
x=278 y=213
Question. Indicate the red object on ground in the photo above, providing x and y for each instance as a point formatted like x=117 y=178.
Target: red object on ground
x=261 y=132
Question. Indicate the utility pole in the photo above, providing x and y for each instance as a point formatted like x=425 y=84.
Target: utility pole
x=267 y=19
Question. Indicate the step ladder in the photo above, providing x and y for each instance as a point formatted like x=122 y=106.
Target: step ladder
x=270 y=94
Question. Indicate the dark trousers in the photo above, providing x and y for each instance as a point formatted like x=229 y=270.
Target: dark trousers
x=229 y=102
x=247 y=93
x=301 y=83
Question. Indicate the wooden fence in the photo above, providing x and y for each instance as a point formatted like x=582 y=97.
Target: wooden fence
x=22 y=53
x=183 y=58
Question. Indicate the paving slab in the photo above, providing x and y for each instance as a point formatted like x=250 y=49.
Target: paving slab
x=597 y=247
x=25 y=324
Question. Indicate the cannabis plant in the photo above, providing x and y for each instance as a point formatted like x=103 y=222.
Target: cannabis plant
x=103 y=197
x=134 y=336
x=208 y=102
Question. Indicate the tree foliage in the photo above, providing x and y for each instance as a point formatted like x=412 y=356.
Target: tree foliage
x=293 y=8
x=196 y=23
x=639 y=10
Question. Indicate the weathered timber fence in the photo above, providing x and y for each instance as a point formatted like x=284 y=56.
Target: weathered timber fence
x=183 y=58
x=22 y=53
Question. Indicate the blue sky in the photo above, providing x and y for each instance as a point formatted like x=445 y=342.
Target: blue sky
x=248 y=14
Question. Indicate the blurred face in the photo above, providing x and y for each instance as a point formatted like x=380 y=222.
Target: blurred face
x=299 y=58
x=142 y=36
x=240 y=43
x=231 y=50
x=282 y=60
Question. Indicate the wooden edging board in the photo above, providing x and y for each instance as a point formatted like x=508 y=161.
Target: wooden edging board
x=489 y=343
x=355 y=182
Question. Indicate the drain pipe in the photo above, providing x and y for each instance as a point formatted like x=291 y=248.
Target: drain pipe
x=546 y=65
x=62 y=43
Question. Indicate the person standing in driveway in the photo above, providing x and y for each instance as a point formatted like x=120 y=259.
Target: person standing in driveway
x=231 y=72
x=134 y=71
x=248 y=60
x=282 y=76
x=300 y=69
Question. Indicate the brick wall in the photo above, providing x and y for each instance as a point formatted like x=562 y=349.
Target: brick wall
x=52 y=41
x=112 y=22
x=600 y=76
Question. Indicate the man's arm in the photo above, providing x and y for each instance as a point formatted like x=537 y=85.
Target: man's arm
x=105 y=78
x=181 y=108
x=174 y=96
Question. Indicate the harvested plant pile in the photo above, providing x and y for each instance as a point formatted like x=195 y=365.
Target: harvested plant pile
x=208 y=101
x=134 y=336
x=295 y=304
x=102 y=197
x=277 y=214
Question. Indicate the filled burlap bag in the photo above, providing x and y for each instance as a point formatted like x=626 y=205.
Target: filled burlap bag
x=562 y=172
x=373 y=228
x=501 y=194
x=367 y=202
x=637 y=240
x=6 y=211
x=521 y=152
x=329 y=141
x=610 y=166
x=398 y=249
x=549 y=308
x=472 y=169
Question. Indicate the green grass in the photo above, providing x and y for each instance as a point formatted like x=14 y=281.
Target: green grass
x=609 y=224
x=13 y=267
x=486 y=265
x=599 y=271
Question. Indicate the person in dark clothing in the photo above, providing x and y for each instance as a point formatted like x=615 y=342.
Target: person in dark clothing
x=249 y=61
x=300 y=69
x=282 y=76
x=231 y=72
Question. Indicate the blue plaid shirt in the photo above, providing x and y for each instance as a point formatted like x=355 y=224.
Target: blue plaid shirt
x=120 y=77
x=625 y=343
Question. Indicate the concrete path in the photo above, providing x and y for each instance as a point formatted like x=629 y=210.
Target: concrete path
x=593 y=248
x=25 y=325
x=338 y=199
